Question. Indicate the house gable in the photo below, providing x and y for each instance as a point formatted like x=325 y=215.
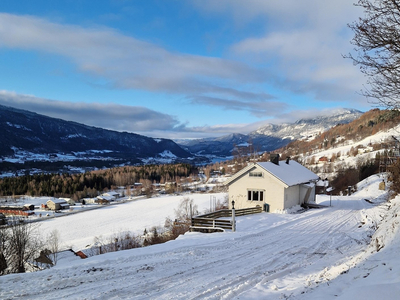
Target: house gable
x=240 y=174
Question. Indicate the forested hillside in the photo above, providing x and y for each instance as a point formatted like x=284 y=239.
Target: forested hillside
x=90 y=184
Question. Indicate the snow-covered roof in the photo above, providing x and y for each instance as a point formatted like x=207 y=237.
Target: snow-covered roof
x=59 y=201
x=111 y=193
x=291 y=174
x=106 y=197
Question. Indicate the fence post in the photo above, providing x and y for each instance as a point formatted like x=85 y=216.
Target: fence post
x=233 y=217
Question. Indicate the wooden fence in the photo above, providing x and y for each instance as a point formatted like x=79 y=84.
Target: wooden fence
x=210 y=222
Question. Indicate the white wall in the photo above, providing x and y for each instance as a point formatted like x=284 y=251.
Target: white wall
x=273 y=191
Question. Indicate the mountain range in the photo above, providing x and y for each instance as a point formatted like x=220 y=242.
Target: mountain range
x=26 y=136
x=269 y=137
x=29 y=140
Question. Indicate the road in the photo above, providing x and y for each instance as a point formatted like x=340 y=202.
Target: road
x=272 y=255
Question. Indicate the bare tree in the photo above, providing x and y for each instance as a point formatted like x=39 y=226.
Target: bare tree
x=53 y=244
x=24 y=244
x=377 y=43
x=187 y=209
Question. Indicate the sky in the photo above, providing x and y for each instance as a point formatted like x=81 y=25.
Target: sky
x=179 y=69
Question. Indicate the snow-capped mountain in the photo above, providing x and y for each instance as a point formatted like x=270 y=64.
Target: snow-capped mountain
x=271 y=136
x=27 y=137
x=308 y=128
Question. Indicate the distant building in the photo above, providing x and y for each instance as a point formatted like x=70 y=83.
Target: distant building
x=57 y=204
x=109 y=196
x=323 y=159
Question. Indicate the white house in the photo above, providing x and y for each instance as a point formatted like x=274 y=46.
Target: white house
x=274 y=185
x=57 y=204
x=109 y=196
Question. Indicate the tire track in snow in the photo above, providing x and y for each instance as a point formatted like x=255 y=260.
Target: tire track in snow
x=222 y=268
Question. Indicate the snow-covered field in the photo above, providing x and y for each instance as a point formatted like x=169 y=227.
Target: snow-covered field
x=319 y=254
x=79 y=230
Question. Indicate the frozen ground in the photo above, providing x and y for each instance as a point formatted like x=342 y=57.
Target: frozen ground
x=319 y=254
x=79 y=230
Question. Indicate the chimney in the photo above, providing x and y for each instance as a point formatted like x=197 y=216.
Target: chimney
x=287 y=159
x=274 y=158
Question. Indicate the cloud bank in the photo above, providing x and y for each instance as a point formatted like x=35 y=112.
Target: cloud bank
x=303 y=43
x=129 y=63
x=109 y=116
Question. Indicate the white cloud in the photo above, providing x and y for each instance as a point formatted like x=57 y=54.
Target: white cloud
x=127 y=61
x=258 y=108
x=120 y=117
x=109 y=116
x=303 y=44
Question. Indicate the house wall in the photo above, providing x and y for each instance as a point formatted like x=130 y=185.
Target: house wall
x=292 y=196
x=295 y=195
x=303 y=192
x=273 y=191
x=53 y=206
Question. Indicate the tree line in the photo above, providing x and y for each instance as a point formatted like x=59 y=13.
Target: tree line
x=92 y=183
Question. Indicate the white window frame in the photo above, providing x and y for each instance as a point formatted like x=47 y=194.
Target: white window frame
x=252 y=192
x=256 y=174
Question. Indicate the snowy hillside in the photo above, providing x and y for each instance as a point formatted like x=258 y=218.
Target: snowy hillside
x=306 y=128
x=270 y=136
x=341 y=152
x=319 y=254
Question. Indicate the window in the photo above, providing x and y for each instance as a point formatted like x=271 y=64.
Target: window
x=255 y=195
x=256 y=174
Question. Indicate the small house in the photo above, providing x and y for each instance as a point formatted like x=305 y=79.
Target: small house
x=29 y=207
x=105 y=197
x=323 y=159
x=57 y=204
x=109 y=196
x=70 y=201
x=274 y=185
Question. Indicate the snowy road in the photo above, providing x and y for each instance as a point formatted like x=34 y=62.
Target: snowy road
x=270 y=256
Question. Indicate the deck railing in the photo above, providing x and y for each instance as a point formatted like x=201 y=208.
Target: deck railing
x=210 y=222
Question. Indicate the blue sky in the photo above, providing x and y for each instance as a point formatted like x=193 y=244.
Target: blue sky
x=178 y=69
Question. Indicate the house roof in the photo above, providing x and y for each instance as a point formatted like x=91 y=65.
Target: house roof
x=59 y=201
x=290 y=174
x=105 y=197
x=111 y=193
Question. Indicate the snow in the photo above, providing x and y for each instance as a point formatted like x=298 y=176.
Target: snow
x=18 y=126
x=79 y=230
x=346 y=145
x=329 y=253
x=167 y=154
x=291 y=173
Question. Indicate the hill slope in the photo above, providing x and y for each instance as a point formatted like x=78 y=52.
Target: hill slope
x=24 y=133
x=269 y=137
x=270 y=256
